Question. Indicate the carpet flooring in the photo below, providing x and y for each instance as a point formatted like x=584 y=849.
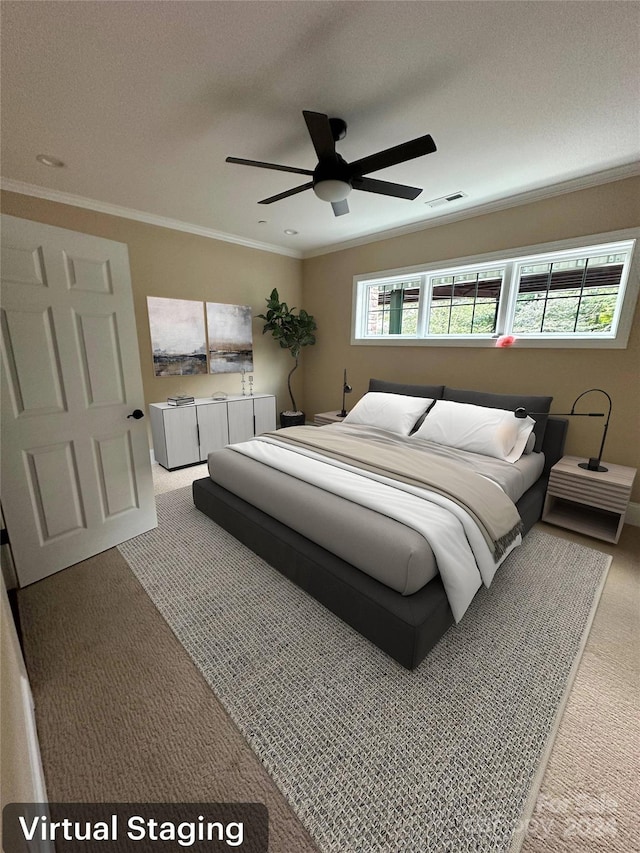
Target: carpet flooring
x=588 y=800
x=123 y=714
x=370 y=756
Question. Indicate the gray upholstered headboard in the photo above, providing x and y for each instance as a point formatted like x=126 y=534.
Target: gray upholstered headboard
x=555 y=436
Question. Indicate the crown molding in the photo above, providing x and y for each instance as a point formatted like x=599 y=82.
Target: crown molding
x=529 y=196
x=141 y=216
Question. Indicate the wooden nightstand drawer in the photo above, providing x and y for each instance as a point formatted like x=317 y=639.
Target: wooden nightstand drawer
x=591 y=502
x=601 y=495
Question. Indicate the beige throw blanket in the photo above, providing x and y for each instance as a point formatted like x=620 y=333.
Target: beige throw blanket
x=494 y=513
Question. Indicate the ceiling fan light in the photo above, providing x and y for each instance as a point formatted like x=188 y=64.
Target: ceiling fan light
x=332 y=190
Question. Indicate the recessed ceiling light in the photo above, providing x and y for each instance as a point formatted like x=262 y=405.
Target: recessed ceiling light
x=48 y=160
x=262 y=221
x=290 y=231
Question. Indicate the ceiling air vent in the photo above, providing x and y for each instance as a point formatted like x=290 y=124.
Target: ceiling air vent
x=445 y=199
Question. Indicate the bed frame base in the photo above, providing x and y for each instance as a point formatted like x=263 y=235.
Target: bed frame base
x=405 y=627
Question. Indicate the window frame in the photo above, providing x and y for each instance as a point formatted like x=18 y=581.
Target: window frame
x=512 y=260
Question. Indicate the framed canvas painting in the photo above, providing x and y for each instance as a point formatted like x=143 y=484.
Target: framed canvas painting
x=230 y=338
x=178 y=338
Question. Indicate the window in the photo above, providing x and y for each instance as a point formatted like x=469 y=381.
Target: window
x=465 y=303
x=568 y=296
x=393 y=308
x=580 y=295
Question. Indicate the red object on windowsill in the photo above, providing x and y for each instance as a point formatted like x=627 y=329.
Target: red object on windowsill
x=506 y=341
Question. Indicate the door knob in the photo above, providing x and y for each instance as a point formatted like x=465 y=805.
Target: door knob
x=137 y=414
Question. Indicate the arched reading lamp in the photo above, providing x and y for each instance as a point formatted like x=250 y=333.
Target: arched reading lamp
x=594 y=462
x=346 y=389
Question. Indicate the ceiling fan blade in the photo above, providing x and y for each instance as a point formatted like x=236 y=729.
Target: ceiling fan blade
x=340 y=207
x=275 y=166
x=321 y=135
x=286 y=193
x=392 y=156
x=371 y=185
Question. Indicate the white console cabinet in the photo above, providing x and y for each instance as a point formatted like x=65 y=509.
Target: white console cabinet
x=185 y=435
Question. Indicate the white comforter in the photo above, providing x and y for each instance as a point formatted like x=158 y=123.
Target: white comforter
x=464 y=559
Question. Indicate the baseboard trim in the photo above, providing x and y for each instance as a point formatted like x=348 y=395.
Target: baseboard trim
x=633 y=515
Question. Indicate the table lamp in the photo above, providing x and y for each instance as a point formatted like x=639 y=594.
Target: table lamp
x=346 y=389
x=594 y=461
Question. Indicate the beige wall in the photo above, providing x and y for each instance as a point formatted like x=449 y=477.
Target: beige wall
x=179 y=265
x=564 y=373
x=184 y=266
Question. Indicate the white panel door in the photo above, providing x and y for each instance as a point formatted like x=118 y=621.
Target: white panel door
x=76 y=473
x=213 y=428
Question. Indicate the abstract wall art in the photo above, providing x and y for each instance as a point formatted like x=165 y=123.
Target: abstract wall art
x=190 y=338
x=230 y=338
x=178 y=338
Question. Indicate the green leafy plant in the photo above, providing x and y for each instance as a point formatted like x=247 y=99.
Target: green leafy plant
x=292 y=331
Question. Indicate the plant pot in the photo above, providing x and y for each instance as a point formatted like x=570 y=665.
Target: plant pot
x=288 y=419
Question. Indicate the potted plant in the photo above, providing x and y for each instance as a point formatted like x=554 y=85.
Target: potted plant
x=292 y=331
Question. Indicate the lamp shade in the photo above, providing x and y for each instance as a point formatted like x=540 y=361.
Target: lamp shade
x=332 y=190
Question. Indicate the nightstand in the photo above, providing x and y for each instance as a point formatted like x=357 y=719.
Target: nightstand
x=588 y=502
x=327 y=418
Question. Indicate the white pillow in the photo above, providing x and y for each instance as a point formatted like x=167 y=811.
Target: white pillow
x=493 y=432
x=394 y=412
x=531 y=443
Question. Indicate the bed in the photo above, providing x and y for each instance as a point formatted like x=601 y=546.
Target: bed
x=348 y=511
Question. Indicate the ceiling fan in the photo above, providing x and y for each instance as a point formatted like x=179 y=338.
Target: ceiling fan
x=334 y=178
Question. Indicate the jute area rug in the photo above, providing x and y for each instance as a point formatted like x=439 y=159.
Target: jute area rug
x=372 y=757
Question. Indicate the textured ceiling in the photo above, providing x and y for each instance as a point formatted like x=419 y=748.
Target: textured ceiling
x=144 y=100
